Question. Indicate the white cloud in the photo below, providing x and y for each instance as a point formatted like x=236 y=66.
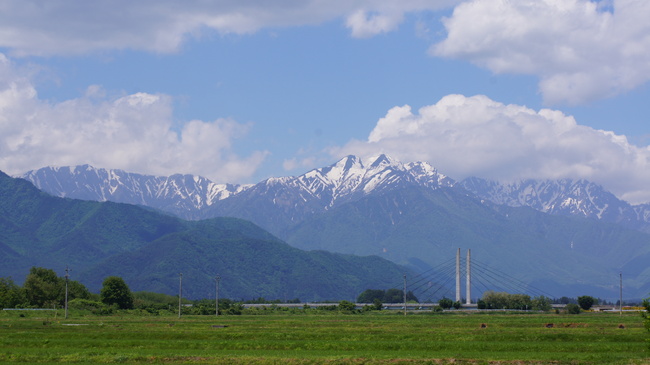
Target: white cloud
x=29 y=27
x=131 y=132
x=476 y=136
x=579 y=49
x=364 y=24
x=295 y=163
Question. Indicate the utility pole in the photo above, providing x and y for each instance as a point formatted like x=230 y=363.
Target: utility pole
x=180 y=293
x=458 y=276
x=404 y=294
x=621 y=298
x=216 y=300
x=67 y=276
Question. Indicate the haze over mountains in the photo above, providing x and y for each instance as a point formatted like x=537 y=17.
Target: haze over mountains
x=565 y=237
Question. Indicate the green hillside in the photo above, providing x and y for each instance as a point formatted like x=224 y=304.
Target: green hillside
x=149 y=250
x=557 y=254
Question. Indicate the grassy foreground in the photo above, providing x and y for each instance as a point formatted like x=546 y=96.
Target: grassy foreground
x=376 y=338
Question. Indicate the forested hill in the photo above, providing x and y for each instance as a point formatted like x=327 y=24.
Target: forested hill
x=149 y=250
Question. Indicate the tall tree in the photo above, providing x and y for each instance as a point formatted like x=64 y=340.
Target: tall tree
x=11 y=295
x=115 y=291
x=369 y=295
x=585 y=302
x=43 y=288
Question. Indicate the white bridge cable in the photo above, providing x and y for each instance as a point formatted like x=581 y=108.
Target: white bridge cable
x=504 y=282
x=440 y=276
x=430 y=278
x=421 y=276
x=433 y=284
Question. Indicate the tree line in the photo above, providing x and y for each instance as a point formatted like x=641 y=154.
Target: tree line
x=44 y=289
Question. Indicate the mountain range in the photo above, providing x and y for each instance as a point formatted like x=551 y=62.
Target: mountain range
x=196 y=197
x=561 y=236
x=150 y=249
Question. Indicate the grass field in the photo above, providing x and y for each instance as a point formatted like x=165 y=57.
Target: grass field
x=371 y=338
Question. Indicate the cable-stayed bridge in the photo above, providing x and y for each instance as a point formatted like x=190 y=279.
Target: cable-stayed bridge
x=449 y=278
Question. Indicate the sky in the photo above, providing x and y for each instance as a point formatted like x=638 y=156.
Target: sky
x=241 y=90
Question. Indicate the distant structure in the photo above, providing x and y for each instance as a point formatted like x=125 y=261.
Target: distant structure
x=458 y=275
x=468 y=284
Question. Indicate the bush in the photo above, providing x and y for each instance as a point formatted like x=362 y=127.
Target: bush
x=503 y=300
x=232 y=309
x=646 y=314
x=370 y=295
x=115 y=291
x=445 y=303
x=11 y=295
x=573 y=308
x=345 y=306
x=457 y=305
x=377 y=304
x=585 y=302
x=541 y=303
x=92 y=306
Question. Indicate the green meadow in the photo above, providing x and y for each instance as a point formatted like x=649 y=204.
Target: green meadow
x=368 y=338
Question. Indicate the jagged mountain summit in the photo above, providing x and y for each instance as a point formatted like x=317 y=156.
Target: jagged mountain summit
x=349 y=179
x=181 y=195
x=195 y=197
x=279 y=202
x=562 y=197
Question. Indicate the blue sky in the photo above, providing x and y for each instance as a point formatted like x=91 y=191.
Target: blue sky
x=238 y=91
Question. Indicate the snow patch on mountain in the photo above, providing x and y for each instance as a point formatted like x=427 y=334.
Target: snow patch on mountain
x=563 y=197
x=178 y=193
x=321 y=189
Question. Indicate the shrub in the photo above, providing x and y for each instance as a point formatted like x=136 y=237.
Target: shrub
x=377 y=304
x=115 y=291
x=585 y=302
x=92 y=306
x=345 y=306
x=503 y=300
x=646 y=314
x=445 y=303
x=573 y=308
x=541 y=303
x=11 y=295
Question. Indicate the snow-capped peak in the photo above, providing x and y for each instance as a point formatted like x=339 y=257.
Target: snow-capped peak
x=350 y=178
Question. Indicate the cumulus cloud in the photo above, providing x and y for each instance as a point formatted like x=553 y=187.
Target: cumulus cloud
x=476 y=136
x=295 y=163
x=132 y=132
x=581 y=50
x=29 y=27
x=364 y=24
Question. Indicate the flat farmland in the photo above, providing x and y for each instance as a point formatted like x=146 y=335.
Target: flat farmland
x=369 y=338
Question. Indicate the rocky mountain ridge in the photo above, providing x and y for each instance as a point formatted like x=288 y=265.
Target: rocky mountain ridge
x=316 y=191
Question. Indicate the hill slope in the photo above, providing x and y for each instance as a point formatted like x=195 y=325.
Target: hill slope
x=149 y=249
x=559 y=255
